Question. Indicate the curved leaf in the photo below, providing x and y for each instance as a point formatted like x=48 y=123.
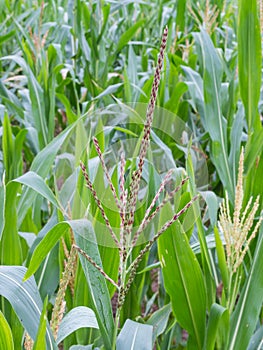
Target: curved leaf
x=34 y=181
x=195 y=86
x=256 y=342
x=45 y=246
x=128 y=34
x=41 y=165
x=86 y=240
x=25 y=300
x=134 y=336
x=159 y=320
x=79 y=317
x=37 y=98
x=218 y=316
x=212 y=205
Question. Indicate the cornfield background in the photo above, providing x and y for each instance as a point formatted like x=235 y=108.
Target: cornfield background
x=118 y=231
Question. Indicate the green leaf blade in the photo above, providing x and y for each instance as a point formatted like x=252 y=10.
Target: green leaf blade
x=79 y=317
x=183 y=279
x=6 y=338
x=126 y=37
x=40 y=343
x=219 y=316
x=34 y=181
x=135 y=336
x=215 y=123
x=249 y=60
x=100 y=298
x=25 y=300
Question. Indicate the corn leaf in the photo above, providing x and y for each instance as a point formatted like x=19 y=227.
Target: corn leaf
x=10 y=246
x=135 y=336
x=127 y=36
x=34 y=181
x=40 y=343
x=41 y=165
x=214 y=121
x=245 y=317
x=183 y=279
x=100 y=298
x=79 y=317
x=25 y=300
x=86 y=240
x=219 y=316
x=6 y=338
x=8 y=147
x=249 y=60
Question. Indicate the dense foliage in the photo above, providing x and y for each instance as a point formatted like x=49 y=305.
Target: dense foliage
x=130 y=175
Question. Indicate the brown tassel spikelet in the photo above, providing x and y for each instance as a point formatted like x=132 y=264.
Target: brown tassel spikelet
x=136 y=177
x=127 y=200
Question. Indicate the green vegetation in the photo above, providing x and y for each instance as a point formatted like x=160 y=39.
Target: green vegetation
x=131 y=175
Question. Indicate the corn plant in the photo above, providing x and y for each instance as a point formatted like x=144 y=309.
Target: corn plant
x=131 y=197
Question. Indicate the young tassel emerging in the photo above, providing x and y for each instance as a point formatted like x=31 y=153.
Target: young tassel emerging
x=236 y=232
